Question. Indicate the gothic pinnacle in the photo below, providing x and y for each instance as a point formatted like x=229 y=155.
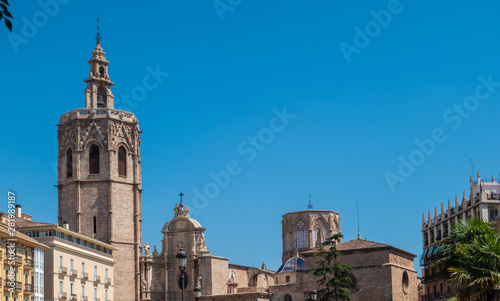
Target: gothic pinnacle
x=465 y=196
x=449 y=203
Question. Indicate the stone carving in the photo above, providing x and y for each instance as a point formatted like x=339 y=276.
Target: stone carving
x=181 y=210
x=93 y=131
x=157 y=283
x=155 y=252
x=147 y=250
x=202 y=245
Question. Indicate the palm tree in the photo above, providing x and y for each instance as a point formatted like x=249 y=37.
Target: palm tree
x=470 y=259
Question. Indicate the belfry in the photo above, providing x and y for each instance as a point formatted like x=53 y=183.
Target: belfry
x=99 y=175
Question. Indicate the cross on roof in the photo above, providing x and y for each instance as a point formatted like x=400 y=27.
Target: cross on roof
x=98 y=36
x=181 y=195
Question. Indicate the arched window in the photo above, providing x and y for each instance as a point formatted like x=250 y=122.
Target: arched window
x=94 y=159
x=122 y=162
x=232 y=284
x=69 y=163
x=288 y=297
x=320 y=232
x=300 y=236
x=264 y=285
x=101 y=97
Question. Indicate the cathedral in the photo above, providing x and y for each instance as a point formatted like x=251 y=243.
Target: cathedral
x=99 y=196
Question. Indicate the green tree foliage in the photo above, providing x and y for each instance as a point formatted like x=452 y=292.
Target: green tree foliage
x=470 y=259
x=334 y=280
x=5 y=14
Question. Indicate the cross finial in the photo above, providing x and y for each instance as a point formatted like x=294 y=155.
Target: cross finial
x=98 y=36
x=181 y=195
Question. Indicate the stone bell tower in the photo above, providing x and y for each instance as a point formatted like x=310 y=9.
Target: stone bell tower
x=99 y=176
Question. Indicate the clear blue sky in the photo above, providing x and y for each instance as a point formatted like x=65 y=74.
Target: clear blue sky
x=228 y=70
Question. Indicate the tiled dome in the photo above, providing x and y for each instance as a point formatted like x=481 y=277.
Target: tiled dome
x=292 y=265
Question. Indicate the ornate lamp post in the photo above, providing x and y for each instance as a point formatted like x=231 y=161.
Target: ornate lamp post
x=182 y=258
x=197 y=292
x=314 y=294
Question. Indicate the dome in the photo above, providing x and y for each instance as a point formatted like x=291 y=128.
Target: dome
x=292 y=265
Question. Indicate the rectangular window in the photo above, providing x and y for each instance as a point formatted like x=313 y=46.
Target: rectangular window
x=60 y=263
x=106 y=295
x=71 y=265
x=60 y=289
x=72 y=289
x=287 y=279
x=83 y=269
x=106 y=276
x=95 y=294
x=95 y=273
x=83 y=292
x=95 y=224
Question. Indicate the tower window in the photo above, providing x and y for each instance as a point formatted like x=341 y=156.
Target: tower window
x=300 y=236
x=101 y=97
x=122 y=162
x=94 y=159
x=288 y=297
x=95 y=224
x=69 y=163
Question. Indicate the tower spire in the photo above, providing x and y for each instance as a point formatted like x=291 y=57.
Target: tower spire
x=98 y=35
x=310 y=206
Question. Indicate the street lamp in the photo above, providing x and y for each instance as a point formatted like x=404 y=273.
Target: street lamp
x=197 y=292
x=182 y=258
x=314 y=294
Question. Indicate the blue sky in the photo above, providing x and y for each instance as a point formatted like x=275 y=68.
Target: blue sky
x=231 y=66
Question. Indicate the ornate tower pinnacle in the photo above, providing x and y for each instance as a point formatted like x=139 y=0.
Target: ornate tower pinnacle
x=98 y=92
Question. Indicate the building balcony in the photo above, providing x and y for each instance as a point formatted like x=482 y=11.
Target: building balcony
x=107 y=281
x=73 y=273
x=85 y=276
x=494 y=197
x=97 y=279
x=63 y=296
x=17 y=261
x=63 y=270
x=84 y=298
x=29 y=263
x=16 y=285
x=28 y=288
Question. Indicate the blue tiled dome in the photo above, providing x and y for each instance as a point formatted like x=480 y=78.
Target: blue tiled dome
x=292 y=265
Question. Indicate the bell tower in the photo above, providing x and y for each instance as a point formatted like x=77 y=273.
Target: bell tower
x=99 y=176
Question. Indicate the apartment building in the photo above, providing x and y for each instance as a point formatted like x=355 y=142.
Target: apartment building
x=483 y=202
x=76 y=267
x=22 y=263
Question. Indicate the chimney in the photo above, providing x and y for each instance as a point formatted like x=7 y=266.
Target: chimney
x=18 y=211
x=66 y=225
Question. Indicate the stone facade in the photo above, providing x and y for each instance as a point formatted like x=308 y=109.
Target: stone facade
x=306 y=230
x=160 y=274
x=99 y=175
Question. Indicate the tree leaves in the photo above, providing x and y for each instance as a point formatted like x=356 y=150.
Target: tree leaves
x=5 y=14
x=333 y=276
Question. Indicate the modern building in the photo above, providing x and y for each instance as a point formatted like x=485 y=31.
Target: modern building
x=99 y=176
x=76 y=267
x=483 y=202
x=22 y=262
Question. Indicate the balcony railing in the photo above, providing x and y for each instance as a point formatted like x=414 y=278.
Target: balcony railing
x=28 y=262
x=63 y=296
x=18 y=286
x=73 y=272
x=85 y=276
x=29 y=288
x=97 y=278
x=494 y=197
x=63 y=270
x=107 y=281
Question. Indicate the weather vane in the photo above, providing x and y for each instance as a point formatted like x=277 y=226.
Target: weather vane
x=98 y=36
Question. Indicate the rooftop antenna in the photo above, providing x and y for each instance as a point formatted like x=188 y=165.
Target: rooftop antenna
x=357 y=209
x=98 y=36
x=310 y=206
x=472 y=165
